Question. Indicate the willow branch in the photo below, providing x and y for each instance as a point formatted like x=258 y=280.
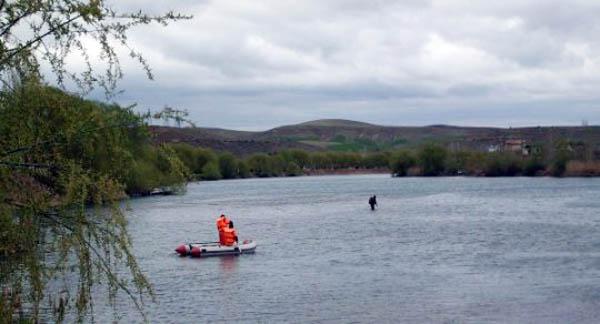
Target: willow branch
x=104 y=264
x=12 y=23
x=15 y=51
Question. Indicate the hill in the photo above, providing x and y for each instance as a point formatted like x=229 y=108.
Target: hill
x=346 y=135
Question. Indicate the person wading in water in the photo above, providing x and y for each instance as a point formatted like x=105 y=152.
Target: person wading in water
x=373 y=202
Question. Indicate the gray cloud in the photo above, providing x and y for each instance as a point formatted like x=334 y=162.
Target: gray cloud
x=259 y=64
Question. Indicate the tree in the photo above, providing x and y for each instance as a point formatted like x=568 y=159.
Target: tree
x=501 y=164
x=243 y=169
x=60 y=153
x=302 y=158
x=432 y=158
x=228 y=166
x=50 y=30
x=400 y=162
x=260 y=165
x=561 y=158
x=210 y=171
x=376 y=160
x=292 y=169
x=533 y=166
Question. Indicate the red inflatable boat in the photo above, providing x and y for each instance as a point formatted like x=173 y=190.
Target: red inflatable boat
x=207 y=249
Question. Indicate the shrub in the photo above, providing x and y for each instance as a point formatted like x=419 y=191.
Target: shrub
x=210 y=171
x=228 y=166
x=533 y=167
x=432 y=159
x=401 y=162
x=502 y=164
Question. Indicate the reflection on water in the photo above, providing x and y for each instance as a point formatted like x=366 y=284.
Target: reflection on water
x=228 y=263
x=437 y=250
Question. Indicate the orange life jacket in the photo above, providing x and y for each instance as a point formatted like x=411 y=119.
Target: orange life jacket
x=229 y=236
x=222 y=236
x=222 y=222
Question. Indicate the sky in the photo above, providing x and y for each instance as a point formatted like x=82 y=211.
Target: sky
x=254 y=65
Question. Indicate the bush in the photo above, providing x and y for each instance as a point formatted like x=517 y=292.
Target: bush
x=458 y=162
x=228 y=166
x=243 y=169
x=210 y=171
x=401 y=162
x=502 y=165
x=533 y=167
x=260 y=165
x=376 y=160
x=432 y=159
x=292 y=169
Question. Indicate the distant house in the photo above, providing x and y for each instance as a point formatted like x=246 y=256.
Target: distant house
x=493 y=148
x=515 y=145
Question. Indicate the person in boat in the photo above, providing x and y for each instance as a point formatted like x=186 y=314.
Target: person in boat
x=373 y=202
x=222 y=222
x=229 y=236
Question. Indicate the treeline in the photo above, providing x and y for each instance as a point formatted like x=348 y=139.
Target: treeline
x=427 y=160
x=205 y=164
x=436 y=160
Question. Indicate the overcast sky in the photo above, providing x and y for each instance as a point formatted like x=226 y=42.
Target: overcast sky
x=259 y=64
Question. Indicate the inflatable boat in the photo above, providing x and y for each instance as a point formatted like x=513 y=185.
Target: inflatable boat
x=207 y=249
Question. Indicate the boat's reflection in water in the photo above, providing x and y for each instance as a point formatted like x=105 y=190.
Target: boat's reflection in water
x=228 y=263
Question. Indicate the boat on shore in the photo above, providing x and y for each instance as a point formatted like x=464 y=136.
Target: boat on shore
x=208 y=249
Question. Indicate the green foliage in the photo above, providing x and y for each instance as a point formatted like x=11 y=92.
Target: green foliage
x=320 y=161
x=261 y=165
x=563 y=155
x=432 y=159
x=228 y=166
x=376 y=160
x=502 y=164
x=243 y=169
x=58 y=154
x=458 y=162
x=211 y=171
x=533 y=166
x=194 y=158
x=301 y=158
x=400 y=162
x=292 y=169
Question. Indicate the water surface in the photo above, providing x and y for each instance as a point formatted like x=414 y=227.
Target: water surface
x=442 y=250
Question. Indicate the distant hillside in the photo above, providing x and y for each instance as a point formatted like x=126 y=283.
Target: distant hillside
x=346 y=135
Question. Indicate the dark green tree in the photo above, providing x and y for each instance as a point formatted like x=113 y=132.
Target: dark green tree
x=243 y=169
x=432 y=159
x=228 y=166
x=400 y=162
x=211 y=171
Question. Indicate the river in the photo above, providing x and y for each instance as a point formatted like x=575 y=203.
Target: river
x=441 y=250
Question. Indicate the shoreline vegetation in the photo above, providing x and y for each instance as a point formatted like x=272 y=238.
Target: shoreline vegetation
x=428 y=160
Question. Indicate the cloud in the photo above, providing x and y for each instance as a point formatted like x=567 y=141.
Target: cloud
x=254 y=64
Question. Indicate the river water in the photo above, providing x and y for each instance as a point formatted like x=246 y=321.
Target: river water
x=440 y=250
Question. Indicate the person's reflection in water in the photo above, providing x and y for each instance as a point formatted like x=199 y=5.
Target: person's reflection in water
x=228 y=263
